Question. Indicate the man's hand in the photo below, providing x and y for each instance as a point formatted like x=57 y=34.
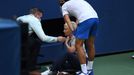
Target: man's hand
x=61 y=38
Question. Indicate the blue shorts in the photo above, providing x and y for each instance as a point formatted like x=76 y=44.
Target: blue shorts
x=86 y=29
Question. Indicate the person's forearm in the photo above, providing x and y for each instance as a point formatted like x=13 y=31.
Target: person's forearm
x=77 y=22
x=68 y=21
x=46 y=38
x=49 y=39
x=42 y=36
x=70 y=48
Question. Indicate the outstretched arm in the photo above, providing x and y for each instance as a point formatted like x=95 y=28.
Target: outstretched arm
x=37 y=28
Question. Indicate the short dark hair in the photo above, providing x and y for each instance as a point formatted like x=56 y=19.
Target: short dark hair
x=62 y=2
x=66 y=0
x=34 y=10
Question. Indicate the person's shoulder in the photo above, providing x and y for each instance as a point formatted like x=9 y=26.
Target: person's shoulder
x=66 y=4
x=23 y=16
x=26 y=18
x=30 y=17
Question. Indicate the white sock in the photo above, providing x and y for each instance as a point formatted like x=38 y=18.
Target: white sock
x=90 y=65
x=84 y=68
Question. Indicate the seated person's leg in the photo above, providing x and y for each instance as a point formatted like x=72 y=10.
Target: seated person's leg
x=74 y=61
x=68 y=63
x=58 y=64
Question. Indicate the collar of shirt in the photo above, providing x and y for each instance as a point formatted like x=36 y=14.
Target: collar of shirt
x=35 y=17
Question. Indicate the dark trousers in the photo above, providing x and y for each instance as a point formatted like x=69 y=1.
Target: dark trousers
x=69 y=62
x=29 y=53
x=34 y=48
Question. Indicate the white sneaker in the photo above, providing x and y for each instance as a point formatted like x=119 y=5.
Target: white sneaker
x=132 y=56
x=45 y=72
x=81 y=73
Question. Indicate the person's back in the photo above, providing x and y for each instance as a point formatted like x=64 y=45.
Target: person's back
x=26 y=18
x=80 y=9
x=31 y=20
